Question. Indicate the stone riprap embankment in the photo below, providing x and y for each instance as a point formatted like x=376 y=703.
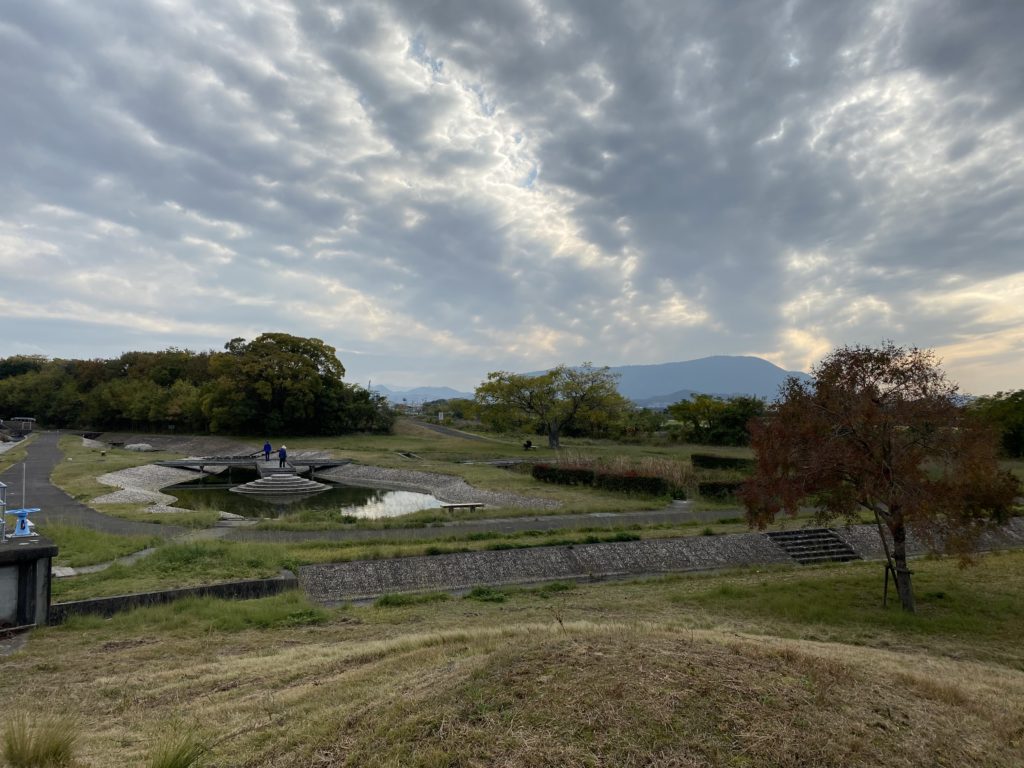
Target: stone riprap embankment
x=447 y=488
x=461 y=570
x=371 y=578
x=865 y=540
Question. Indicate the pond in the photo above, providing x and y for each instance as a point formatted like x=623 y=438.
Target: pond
x=338 y=504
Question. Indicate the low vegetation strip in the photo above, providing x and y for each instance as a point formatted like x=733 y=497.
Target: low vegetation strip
x=364 y=579
x=236 y=590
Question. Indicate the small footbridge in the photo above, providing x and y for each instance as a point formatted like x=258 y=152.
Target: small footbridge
x=300 y=465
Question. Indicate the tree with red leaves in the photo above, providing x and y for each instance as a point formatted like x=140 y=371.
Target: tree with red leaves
x=880 y=429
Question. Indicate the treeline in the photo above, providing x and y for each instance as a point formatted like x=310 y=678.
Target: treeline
x=275 y=384
x=1004 y=411
x=705 y=419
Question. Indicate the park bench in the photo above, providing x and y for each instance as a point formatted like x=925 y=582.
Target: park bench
x=471 y=506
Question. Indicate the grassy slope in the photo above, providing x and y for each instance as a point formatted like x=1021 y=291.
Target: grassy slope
x=12 y=456
x=778 y=668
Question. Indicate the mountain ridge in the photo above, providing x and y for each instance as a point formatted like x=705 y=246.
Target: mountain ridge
x=656 y=385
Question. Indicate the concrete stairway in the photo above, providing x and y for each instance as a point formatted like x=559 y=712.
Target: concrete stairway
x=281 y=484
x=814 y=545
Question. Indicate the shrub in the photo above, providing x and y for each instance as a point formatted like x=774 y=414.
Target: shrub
x=712 y=461
x=182 y=750
x=563 y=475
x=45 y=741
x=396 y=600
x=718 y=490
x=486 y=595
x=632 y=482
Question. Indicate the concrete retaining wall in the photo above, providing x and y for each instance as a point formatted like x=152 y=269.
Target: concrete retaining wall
x=234 y=590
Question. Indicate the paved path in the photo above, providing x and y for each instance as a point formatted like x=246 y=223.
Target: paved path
x=55 y=505
x=676 y=514
x=450 y=432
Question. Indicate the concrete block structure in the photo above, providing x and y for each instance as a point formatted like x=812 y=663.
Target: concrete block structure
x=25 y=580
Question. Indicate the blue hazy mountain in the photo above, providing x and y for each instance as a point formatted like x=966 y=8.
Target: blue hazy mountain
x=722 y=375
x=419 y=394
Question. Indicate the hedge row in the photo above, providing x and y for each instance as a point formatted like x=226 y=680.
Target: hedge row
x=552 y=473
x=626 y=482
x=711 y=461
x=718 y=490
x=631 y=482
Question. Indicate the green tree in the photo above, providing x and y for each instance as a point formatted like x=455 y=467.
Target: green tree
x=558 y=400
x=279 y=382
x=1005 y=412
x=883 y=430
x=715 y=420
x=16 y=365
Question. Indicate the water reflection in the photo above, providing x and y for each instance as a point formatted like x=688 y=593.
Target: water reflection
x=336 y=504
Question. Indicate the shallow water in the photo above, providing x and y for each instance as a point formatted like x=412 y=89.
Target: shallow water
x=339 y=502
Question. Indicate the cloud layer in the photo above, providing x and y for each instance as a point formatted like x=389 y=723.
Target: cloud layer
x=442 y=189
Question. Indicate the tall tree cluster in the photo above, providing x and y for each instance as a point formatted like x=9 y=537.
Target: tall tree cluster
x=713 y=420
x=562 y=401
x=276 y=383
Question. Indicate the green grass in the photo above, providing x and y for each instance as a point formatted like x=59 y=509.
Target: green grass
x=198 y=616
x=193 y=519
x=15 y=455
x=179 y=565
x=178 y=750
x=78 y=546
x=400 y=600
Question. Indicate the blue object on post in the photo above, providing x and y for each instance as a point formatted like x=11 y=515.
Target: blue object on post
x=24 y=526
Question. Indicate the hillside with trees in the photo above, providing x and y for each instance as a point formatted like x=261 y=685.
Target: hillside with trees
x=275 y=383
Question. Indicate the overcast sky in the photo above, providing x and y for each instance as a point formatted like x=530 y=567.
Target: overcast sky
x=440 y=189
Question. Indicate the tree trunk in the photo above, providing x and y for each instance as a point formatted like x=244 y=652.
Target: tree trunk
x=899 y=556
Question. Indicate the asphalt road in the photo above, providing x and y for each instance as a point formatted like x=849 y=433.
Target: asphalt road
x=54 y=504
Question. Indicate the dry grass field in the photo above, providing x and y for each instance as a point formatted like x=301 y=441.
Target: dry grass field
x=791 y=667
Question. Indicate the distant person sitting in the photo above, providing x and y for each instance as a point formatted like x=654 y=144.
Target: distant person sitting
x=528 y=445
x=266 y=451
x=282 y=456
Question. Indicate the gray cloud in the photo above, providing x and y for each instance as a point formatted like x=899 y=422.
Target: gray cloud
x=441 y=189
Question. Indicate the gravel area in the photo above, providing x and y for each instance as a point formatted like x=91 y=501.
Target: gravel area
x=447 y=488
x=140 y=485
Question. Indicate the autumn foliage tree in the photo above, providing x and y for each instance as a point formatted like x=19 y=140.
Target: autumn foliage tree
x=880 y=429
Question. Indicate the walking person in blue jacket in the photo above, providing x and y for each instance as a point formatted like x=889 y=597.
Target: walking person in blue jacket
x=282 y=455
x=267 y=448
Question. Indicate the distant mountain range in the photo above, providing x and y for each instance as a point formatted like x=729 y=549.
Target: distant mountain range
x=418 y=395
x=656 y=386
